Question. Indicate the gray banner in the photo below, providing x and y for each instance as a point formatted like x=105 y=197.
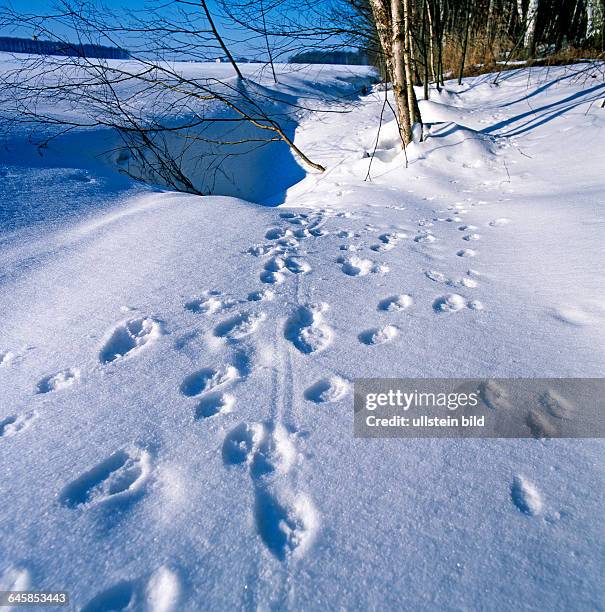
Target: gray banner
x=479 y=408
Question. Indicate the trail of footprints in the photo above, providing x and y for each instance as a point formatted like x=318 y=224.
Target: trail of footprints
x=286 y=519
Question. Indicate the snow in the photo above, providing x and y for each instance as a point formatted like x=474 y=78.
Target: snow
x=176 y=371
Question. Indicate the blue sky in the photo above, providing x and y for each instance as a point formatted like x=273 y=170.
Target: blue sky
x=235 y=35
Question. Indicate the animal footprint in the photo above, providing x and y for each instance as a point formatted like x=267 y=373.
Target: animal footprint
x=297 y=265
x=239 y=326
x=208 y=379
x=439 y=277
x=328 y=390
x=6 y=358
x=240 y=443
x=396 y=303
x=387 y=241
x=525 y=496
x=379 y=335
x=213 y=404
x=271 y=278
x=61 y=380
x=466 y=253
x=307 y=330
x=286 y=521
x=556 y=406
x=16 y=423
x=275 y=264
x=118 y=478
x=499 y=222
x=494 y=395
x=425 y=237
x=261 y=296
x=357 y=266
x=160 y=593
x=211 y=303
x=452 y=302
x=129 y=338
x=277 y=232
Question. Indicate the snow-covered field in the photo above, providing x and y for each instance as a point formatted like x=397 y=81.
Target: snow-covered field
x=176 y=371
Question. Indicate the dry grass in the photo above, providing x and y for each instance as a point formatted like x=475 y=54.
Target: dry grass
x=481 y=58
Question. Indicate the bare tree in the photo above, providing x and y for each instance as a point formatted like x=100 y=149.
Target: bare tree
x=174 y=127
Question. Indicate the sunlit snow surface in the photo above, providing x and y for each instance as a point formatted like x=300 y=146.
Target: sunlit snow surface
x=176 y=371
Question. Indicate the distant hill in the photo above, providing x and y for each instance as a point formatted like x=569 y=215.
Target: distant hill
x=358 y=58
x=51 y=47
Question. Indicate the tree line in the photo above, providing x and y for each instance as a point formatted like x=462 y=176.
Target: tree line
x=162 y=114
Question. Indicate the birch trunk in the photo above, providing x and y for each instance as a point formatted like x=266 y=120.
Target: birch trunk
x=382 y=20
x=413 y=111
x=400 y=81
x=530 y=27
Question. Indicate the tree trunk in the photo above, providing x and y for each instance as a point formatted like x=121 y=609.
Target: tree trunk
x=530 y=27
x=401 y=77
x=465 y=42
x=414 y=111
x=382 y=20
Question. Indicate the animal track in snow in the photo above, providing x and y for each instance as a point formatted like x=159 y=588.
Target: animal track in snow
x=540 y=425
x=59 y=381
x=277 y=232
x=6 y=358
x=260 y=249
x=129 y=338
x=240 y=442
x=525 y=496
x=160 y=593
x=16 y=423
x=208 y=379
x=307 y=330
x=439 y=277
x=388 y=241
x=261 y=296
x=118 y=478
x=557 y=406
x=379 y=335
x=396 y=303
x=425 y=237
x=357 y=266
x=499 y=222
x=382 y=247
x=271 y=278
x=297 y=265
x=211 y=303
x=275 y=264
x=453 y=302
x=239 y=326
x=467 y=228
x=286 y=521
x=213 y=404
x=494 y=396
x=466 y=253
x=328 y=390
x=471 y=237
x=435 y=276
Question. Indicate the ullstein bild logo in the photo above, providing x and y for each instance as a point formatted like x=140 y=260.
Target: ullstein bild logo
x=479 y=408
